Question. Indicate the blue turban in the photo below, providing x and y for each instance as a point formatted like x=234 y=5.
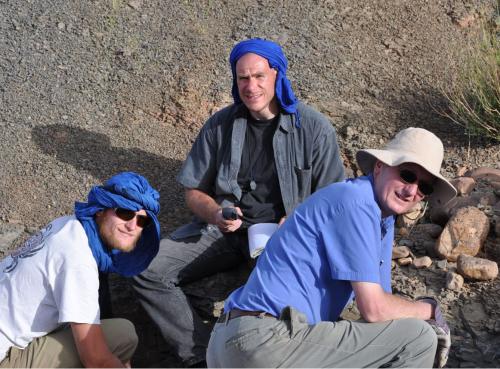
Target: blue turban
x=277 y=60
x=126 y=190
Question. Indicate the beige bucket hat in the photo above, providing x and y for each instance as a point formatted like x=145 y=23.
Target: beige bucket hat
x=412 y=145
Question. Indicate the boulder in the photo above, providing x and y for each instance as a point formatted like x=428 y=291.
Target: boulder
x=399 y=252
x=464 y=185
x=476 y=268
x=433 y=230
x=423 y=262
x=486 y=173
x=441 y=214
x=454 y=281
x=465 y=233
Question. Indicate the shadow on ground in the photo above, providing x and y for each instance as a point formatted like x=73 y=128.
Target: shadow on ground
x=93 y=153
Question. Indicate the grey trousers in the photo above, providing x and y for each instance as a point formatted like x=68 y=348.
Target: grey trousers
x=58 y=350
x=159 y=288
x=289 y=341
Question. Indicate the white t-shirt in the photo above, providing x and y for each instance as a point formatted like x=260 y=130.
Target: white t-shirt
x=51 y=280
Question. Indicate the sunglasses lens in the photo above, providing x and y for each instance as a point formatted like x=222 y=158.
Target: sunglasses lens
x=425 y=188
x=143 y=221
x=124 y=214
x=408 y=176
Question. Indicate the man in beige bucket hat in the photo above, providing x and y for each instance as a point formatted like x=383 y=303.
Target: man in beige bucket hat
x=334 y=247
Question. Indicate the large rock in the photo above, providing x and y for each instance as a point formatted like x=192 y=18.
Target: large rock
x=441 y=214
x=465 y=233
x=433 y=230
x=489 y=174
x=477 y=268
x=464 y=185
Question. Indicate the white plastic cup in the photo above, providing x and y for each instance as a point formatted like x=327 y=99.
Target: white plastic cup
x=258 y=235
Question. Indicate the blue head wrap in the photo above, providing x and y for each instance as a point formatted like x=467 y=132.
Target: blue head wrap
x=126 y=190
x=277 y=60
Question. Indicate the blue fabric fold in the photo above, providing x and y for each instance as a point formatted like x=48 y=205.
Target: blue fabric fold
x=277 y=60
x=126 y=190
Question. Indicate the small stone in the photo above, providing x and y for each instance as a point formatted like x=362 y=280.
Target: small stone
x=399 y=252
x=476 y=268
x=466 y=20
x=495 y=185
x=464 y=185
x=410 y=218
x=442 y=264
x=135 y=4
x=461 y=171
x=423 y=262
x=404 y=261
x=403 y=231
x=61 y=26
x=454 y=281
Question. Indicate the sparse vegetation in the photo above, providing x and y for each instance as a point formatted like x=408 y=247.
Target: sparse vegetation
x=474 y=101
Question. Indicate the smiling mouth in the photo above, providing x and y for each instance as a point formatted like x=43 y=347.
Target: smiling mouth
x=253 y=97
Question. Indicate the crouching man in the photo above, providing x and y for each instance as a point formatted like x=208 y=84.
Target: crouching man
x=335 y=246
x=49 y=309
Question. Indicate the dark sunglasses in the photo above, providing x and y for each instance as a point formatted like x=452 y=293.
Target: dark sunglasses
x=408 y=176
x=126 y=214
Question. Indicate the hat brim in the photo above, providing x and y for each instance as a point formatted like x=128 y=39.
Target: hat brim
x=443 y=192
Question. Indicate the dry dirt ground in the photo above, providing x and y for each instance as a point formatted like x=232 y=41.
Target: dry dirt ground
x=91 y=88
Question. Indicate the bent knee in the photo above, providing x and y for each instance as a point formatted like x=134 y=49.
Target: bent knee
x=422 y=330
x=121 y=337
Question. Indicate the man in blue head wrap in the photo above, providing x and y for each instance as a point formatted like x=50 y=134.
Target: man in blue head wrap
x=253 y=162
x=49 y=299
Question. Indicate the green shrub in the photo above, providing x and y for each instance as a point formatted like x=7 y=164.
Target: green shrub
x=474 y=102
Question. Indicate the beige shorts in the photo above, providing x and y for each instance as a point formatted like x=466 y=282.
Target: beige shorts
x=57 y=349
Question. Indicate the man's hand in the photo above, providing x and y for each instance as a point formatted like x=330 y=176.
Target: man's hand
x=442 y=331
x=282 y=220
x=228 y=225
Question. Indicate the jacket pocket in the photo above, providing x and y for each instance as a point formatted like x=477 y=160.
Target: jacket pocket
x=303 y=182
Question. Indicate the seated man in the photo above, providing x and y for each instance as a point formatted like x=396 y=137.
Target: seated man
x=337 y=245
x=49 y=310
x=261 y=157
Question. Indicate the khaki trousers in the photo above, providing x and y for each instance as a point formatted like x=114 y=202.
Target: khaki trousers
x=252 y=341
x=57 y=349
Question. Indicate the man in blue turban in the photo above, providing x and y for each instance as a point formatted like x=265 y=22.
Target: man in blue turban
x=49 y=300
x=253 y=162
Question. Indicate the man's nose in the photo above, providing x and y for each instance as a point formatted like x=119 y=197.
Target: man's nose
x=411 y=190
x=131 y=224
x=252 y=83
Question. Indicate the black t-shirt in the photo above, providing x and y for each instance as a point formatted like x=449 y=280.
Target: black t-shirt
x=261 y=200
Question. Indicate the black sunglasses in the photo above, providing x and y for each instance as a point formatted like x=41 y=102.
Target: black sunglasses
x=408 y=176
x=126 y=214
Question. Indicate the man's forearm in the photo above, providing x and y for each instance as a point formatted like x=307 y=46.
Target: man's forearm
x=376 y=305
x=202 y=205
